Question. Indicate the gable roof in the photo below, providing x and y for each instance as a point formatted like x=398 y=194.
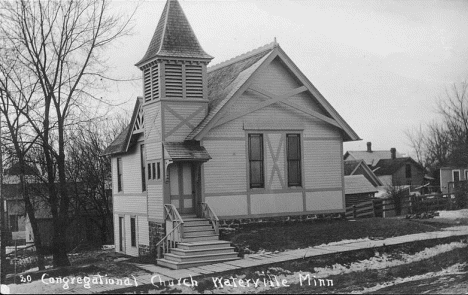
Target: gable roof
x=225 y=79
x=371 y=158
x=230 y=79
x=358 y=184
x=390 y=166
x=351 y=167
x=174 y=36
x=122 y=141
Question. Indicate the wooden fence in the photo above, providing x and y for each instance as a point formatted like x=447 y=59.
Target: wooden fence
x=406 y=205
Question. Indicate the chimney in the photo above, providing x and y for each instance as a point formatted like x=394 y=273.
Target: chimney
x=393 y=152
x=369 y=147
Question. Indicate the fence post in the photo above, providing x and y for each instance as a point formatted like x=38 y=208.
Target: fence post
x=354 y=211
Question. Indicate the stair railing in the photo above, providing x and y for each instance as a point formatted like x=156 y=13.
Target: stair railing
x=175 y=229
x=208 y=213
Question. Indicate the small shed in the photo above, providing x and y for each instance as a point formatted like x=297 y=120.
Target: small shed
x=358 y=189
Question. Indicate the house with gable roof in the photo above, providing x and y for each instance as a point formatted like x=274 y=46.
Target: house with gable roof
x=370 y=156
x=250 y=137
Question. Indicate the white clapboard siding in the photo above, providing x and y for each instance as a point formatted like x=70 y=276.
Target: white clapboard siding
x=155 y=201
x=152 y=122
x=226 y=171
x=131 y=171
x=143 y=230
x=276 y=203
x=231 y=205
x=280 y=115
x=324 y=201
x=322 y=164
x=276 y=176
x=132 y=204
x=153 y=151
x=185 y=111
x=276 y=79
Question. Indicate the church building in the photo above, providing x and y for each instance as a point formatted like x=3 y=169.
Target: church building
x=250 y=137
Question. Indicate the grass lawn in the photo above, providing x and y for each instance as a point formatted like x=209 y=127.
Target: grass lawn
x=280 y=237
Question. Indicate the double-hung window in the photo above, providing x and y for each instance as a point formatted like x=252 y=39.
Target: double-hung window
x=133 y=231
x=256 y=170
x=294 y=159
x=143 y=164
x=119 y=174
x=408 y=170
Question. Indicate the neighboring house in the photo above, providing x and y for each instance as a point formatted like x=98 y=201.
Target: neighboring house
x=450 y=175
x=359 y=167
x=369 y=156
x=82 y=227
x=399 y=172
x=358 y=189
x=249 y=138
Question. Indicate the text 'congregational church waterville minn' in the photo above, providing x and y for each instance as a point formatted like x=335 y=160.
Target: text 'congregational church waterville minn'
x=247 y=138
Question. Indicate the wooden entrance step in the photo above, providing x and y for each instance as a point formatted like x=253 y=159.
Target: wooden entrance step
x=200 y=246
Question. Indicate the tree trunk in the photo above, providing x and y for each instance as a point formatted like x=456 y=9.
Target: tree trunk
x=59 y=248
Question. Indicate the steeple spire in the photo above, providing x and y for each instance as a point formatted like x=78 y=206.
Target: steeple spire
x=174 y=37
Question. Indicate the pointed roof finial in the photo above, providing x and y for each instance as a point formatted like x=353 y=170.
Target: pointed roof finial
x=275 y=42
x=174 y=36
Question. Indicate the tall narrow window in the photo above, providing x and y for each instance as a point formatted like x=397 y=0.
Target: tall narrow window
x=408 y=170
x=119 y=174
x=294 y=159
x=149 y=171
x=256 y=161
x=133 y=230
x=456 y=175
x=143 y=165
x=159 y=171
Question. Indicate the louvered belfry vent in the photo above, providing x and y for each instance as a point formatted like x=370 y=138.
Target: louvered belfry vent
x=174 y=80
x=194 y=81
x=147 y=83
x=151 y=82
x=155 y=81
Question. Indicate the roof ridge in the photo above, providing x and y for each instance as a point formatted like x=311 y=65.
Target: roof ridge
x=243 y=56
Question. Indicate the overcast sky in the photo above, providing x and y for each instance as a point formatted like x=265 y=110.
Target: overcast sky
x=381 y=64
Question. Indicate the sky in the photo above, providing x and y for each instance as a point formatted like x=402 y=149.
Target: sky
x=381 y=64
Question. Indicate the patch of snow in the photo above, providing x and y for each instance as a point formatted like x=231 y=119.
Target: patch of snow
x=380 y=261
x=108 y=247
x=455 y=214
x=385 y=261
x=454 y=269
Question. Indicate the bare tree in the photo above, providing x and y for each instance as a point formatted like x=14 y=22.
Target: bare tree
x=16 y=91
x=444 y=141
x=91 y=173
x=60 y=44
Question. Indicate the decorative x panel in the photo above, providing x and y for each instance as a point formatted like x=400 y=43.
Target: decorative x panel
x=275 y=155
x=183 y=121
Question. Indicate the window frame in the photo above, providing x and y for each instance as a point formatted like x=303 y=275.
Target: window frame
x=133 y=231
x=410 y=171
x=158 y=170
x=261 y=160
x=453 y=175
x=143 y=167
x=298 y=160
x=119 y=174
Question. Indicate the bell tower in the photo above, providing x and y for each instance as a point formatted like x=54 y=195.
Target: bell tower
x=174 y=75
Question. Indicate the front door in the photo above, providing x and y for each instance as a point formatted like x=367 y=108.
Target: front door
x=182 y=187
